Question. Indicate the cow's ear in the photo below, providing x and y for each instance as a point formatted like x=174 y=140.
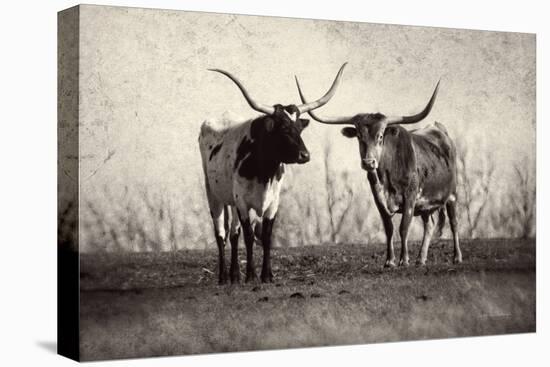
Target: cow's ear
x=302 y=123
x=349 y=132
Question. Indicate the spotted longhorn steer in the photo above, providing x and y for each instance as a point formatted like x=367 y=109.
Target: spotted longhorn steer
x=243 y=164
x=410 y=172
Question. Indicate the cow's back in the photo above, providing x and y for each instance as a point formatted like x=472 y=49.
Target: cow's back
x=435 y=134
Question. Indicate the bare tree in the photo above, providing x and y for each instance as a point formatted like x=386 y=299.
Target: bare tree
x=288 y=227
x=524 y=200
x=299 y=220
x=514 y=211
x=339 y=195
x=475 y=180
x=138 y=219
x=367 y=221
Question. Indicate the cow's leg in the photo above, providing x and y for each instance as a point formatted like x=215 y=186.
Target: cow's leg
x=406 y=220
x=234 y=270
x=249 y=243
x=451 y=213
x=217 y=212
x=388 y=228
x=267 y=227
x=429 y=226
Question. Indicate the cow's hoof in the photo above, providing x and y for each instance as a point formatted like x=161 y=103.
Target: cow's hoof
x=251 y=278
x=404 y=262
x=235 y=279
x=457 y=260
x=235 y=275
x=389 y=264
x=267 y=277
x=222 y=280
x=420 y=262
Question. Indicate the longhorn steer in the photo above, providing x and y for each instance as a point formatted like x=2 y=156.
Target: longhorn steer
x=243 y=165
x=410 y=172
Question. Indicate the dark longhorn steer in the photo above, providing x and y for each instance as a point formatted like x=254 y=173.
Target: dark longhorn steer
x=243 y=165
x=409 y=172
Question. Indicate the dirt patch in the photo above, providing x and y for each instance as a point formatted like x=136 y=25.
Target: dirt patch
x=137 y=305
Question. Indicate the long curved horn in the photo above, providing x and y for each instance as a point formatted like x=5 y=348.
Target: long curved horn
x=306 y=107
x=263 y=108
x=329 y=121
x=392 y=120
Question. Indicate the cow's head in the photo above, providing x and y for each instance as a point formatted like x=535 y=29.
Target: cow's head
x=281 y=138
x=370 y=128
x=280 y=129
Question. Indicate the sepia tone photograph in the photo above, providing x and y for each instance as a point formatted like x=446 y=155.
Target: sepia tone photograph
x=237 y=183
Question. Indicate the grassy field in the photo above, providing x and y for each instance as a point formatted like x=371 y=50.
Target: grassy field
x=153 y=304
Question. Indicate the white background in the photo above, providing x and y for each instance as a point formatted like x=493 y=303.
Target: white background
x=28 y=185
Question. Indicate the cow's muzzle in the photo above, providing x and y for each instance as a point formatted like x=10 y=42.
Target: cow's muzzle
x=303 y=157
x=370 y=164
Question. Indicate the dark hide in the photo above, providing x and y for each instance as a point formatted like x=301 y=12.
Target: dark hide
x=416 y=175
x=396 y=169
x=410 y=172
x=274 y=139
x=413 y=160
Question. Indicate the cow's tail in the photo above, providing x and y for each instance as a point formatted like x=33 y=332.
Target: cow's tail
x=440 y=222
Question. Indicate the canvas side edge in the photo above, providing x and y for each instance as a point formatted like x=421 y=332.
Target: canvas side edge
x=68 y=342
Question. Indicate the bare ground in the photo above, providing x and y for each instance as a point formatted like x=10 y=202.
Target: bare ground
x=152 y=304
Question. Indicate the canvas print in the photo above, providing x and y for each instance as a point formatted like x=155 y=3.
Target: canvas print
x=240 y=183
